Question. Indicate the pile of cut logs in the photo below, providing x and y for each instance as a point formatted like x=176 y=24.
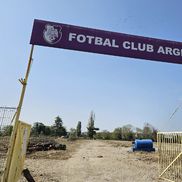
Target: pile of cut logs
x=44 y=146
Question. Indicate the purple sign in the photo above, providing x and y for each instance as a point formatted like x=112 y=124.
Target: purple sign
x=71 y=37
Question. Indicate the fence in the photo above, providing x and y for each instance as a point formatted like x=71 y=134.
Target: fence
x=170 y=156
x=6 y=117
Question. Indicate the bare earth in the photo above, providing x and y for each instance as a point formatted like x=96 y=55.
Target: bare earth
x=97 y=161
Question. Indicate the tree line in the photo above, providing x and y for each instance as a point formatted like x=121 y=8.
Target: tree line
x=126 y=132
x=129 y=133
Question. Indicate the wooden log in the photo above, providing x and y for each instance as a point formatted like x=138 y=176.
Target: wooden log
x=27 y=175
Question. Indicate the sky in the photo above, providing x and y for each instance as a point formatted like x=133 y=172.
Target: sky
x=71 y=84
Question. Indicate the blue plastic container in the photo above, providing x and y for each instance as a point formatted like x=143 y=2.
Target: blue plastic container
x=143 y=145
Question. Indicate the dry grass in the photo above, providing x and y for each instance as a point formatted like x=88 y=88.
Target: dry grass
x=119 y=143
x=71 y=147
x=4 y=142
x=147 y=157
x=90 y=160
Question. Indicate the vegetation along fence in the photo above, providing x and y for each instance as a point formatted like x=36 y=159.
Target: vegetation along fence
x=170 y=156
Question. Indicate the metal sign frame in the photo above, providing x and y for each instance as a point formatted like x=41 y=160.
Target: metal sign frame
x=59 y=35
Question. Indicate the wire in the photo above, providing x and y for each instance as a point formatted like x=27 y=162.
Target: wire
x=6 y=116
x=175 y=111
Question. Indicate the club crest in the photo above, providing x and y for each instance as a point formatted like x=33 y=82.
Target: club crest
x=52 y=33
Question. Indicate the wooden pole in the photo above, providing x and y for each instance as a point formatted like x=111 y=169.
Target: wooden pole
x=14 y=133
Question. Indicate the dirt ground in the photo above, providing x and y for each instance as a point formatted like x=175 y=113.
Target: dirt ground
x=93 y=161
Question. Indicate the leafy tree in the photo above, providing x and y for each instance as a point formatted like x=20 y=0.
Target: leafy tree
x=127 y=131
x=78 y=129
x=139 y=133
x=130 y=135
x=106 y=135
x=38 y=128
x=124 y=133
x=147 y=130
x=73 y=134
x=47 y=130
x=154 y=134
x=58 y=122
x=117 y=134
x=91 y=128
x=150 y=132
x=98 y=135
x=139 y=130
x=58 y=128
